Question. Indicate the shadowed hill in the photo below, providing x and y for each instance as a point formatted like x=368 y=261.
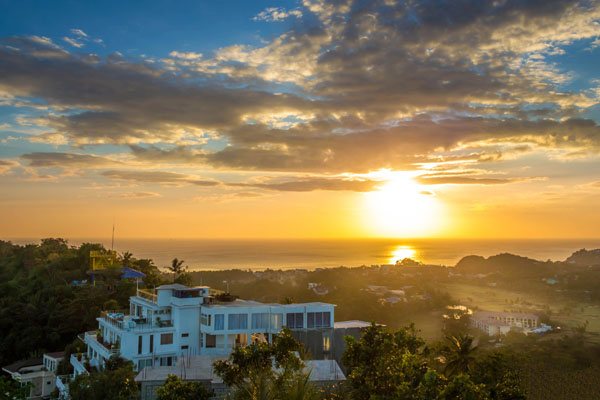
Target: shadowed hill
x=585 y=257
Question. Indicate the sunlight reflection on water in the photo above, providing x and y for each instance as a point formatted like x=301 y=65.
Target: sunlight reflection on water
x=402 y=252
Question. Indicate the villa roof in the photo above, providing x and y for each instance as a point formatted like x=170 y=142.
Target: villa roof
x=16 y=367
x=131 y=273
x=499 y=314
x=56 y=354
x=252 y=303
x=199 y=368
x=351 y=324
x=175 y=286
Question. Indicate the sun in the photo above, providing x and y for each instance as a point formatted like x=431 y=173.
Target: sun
x=402 y=208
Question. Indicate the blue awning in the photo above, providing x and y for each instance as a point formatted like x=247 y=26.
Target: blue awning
x=131 y=273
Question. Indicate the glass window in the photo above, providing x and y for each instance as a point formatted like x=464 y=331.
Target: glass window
x=311 y=319
x=211 y=341
x=276 y=321
x=260 y=321
x=232 y=321
x=219 y=322
x=205 y=319
x=326 y=342
x=237 y=321
x=255 y=321
x=319 y=319
x=166 y=338
x=243 y=321
x=291 y=321
x=299 y=320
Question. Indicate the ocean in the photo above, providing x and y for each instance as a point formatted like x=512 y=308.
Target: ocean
x=255 y=254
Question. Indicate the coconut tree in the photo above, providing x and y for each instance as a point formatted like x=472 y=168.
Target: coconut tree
x=176 y=267
x=461 y=354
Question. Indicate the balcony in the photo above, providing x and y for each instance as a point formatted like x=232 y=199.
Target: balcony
x=62 y=384
x=147 y=295
x=104 y=348
x=78 y=362
x=119 y=320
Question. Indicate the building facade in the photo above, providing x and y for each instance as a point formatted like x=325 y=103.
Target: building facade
x=176 y=321
x=500 y=323
x=39 y=373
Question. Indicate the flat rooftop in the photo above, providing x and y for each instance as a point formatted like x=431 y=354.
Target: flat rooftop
x=351 y=324
x=251 y=303
x=200 y=368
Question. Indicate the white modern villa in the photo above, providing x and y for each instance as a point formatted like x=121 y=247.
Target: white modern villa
x=174 y=321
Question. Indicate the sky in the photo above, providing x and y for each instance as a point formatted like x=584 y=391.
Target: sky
x=300 y=119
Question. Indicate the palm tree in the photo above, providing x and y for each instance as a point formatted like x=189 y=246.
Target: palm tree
x=461 y=354
x=176 y=267
x=126 y=259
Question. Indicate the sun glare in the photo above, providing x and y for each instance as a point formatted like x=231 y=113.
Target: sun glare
x=402 y=252
x=402 y=208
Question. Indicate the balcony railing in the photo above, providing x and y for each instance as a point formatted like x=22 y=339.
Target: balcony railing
x=78 y=362
x=110 y=348
x=62 y=384
x=147 y=294
x=125 y=322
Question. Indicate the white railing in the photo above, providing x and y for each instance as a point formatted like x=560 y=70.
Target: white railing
x=77 y=361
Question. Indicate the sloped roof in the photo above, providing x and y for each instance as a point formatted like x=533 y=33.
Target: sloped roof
x=15 y=367
x=131 y=273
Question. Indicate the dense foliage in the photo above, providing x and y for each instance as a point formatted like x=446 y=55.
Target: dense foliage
x=264 y=371
x=43 y=303
x=116 y=381
x=394 y=365
x=175 y=389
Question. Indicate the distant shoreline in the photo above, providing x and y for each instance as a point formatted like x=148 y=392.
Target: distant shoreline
x=286 y=254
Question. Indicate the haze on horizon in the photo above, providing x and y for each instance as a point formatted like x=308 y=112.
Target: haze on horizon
x=300 y=119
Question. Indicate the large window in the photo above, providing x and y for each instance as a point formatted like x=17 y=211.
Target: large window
x=276 y=321
x=318 y=319
x=219 y=322
x=211 y=341
x=140 y=341
x=260 y=321
x=295 y=320
x=166 y=338
x=237 y=321
x=205 y=319
x=144 y=363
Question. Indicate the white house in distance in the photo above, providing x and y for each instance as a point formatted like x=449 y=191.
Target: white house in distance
x=500 y=323
x=175 y=321
x=39 y=372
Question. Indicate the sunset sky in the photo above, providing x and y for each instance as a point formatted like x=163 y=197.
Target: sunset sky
x=300 y=119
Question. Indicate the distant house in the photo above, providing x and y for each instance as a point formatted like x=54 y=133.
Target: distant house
x=392 y=299
x=398 y=292
x=500 y=323
x=39 y=372
x=377 y=289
